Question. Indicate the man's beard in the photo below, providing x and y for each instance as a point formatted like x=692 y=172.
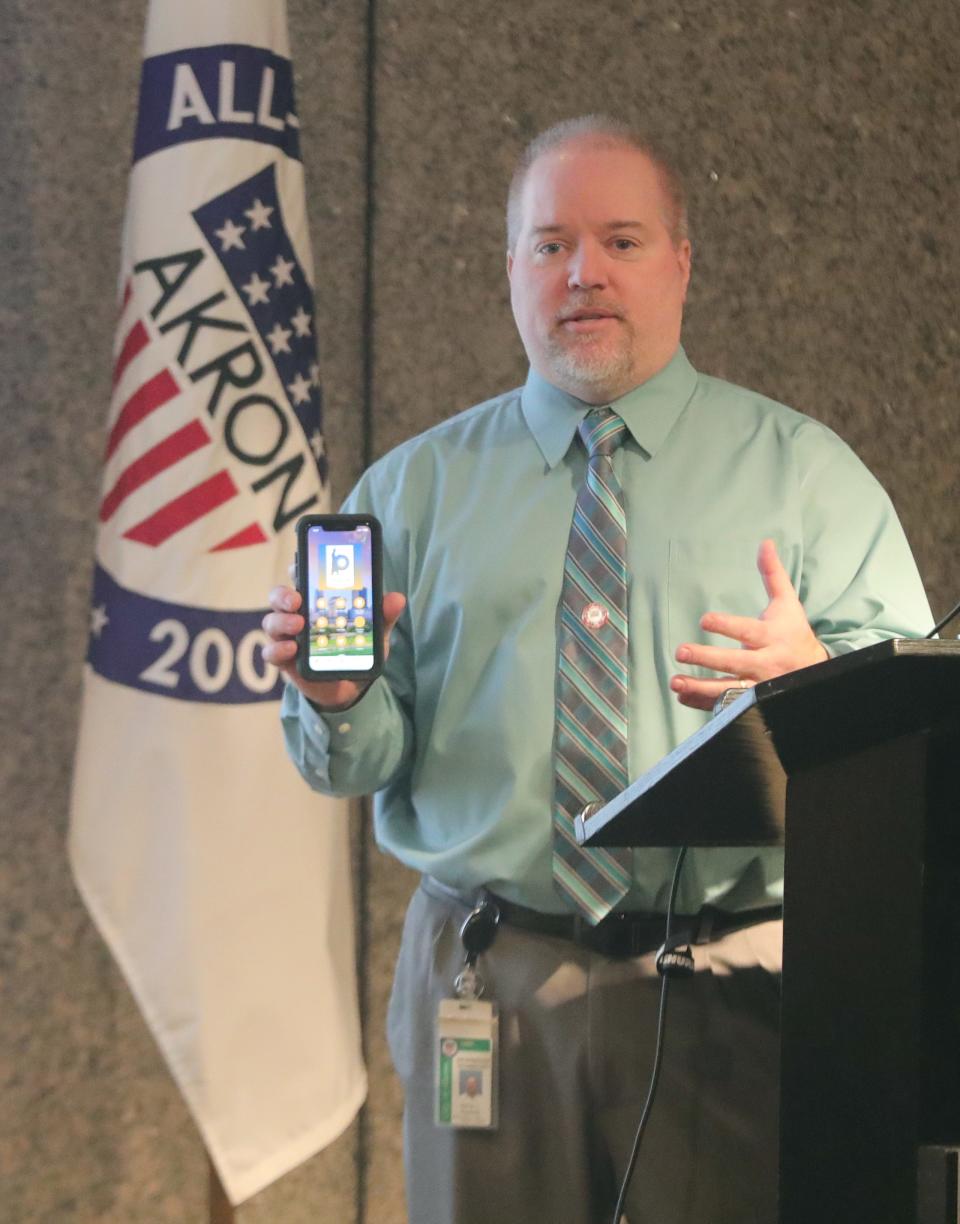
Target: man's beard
x=601 y=371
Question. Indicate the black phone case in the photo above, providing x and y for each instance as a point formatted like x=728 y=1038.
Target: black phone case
x=341 y=522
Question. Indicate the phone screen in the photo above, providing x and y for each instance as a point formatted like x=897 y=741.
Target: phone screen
x=340 y=595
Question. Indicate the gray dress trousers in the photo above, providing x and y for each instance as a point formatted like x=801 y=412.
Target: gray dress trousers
x=577 y=1034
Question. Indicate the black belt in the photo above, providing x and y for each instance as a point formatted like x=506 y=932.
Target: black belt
x=620 y=934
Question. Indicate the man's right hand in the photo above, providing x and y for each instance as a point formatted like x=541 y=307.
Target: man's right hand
x=284 y=621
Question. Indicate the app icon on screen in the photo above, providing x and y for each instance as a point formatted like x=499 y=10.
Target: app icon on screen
x=340 y=566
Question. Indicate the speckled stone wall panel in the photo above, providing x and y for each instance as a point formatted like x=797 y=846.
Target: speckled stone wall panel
x=91 y=1125
x=822 y=150
x=92 y=1128
x=389 y=888
x=328 y=43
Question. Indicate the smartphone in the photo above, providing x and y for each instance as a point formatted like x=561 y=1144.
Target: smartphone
x=339 y=564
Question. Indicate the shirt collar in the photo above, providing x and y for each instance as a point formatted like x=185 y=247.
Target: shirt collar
x=649 y=411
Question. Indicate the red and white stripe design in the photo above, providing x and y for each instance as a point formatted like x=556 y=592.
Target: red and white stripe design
x=158 y=478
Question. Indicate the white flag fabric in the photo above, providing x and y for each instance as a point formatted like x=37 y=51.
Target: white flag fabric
x=219 y=881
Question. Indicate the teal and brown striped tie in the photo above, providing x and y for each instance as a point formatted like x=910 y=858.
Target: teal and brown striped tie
x=590 y=750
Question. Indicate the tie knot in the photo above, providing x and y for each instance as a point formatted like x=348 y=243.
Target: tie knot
x=602 y=431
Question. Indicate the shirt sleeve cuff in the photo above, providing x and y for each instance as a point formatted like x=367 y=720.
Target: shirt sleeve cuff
x=340 y=729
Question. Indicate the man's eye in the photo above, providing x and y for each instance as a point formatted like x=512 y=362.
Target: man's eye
x=625 y=244
x=548 y=248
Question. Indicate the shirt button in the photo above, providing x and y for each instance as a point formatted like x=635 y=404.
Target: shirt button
x=344 y=728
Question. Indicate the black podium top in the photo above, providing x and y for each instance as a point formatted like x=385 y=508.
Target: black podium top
x=726 y=784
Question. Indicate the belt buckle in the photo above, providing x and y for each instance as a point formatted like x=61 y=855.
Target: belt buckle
x=619 y=935
x=630 y=935
x=636 y=936
x=615 y=936
x=591 y=936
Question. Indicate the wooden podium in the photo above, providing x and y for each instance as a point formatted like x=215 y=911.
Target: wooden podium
x=853 y=766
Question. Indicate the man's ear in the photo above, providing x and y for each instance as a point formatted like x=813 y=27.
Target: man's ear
x=684 y=257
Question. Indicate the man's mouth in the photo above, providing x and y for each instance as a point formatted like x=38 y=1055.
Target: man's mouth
x=588 y=318
x=588 y=315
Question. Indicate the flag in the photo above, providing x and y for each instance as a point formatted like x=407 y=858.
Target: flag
x=219 y=881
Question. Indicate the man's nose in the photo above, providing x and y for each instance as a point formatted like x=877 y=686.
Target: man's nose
x=587 y=267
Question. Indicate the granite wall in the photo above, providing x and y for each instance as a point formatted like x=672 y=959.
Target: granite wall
x=822 y=146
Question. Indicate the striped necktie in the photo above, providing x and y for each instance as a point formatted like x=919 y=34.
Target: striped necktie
x=590 y=751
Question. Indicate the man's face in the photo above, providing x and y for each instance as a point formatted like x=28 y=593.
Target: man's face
x=596 y=284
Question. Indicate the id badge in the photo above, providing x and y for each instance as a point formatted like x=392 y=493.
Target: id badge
x=466 y=1064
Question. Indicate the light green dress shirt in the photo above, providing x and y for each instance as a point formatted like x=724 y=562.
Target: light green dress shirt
x=456 y=737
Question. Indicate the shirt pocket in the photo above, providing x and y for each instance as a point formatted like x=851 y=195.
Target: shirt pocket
x=715 y=573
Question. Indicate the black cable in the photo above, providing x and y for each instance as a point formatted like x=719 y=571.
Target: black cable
x=946 y=621
x=658 y=1052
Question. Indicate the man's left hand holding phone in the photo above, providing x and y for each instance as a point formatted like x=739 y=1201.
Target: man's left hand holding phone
x=337 y=598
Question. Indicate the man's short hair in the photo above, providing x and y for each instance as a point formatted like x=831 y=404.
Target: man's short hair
x=603 y=131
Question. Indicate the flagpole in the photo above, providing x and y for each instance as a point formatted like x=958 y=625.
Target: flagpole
x=221 y=1209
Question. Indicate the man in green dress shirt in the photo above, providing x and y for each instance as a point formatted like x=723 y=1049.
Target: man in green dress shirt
x=756 y=544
